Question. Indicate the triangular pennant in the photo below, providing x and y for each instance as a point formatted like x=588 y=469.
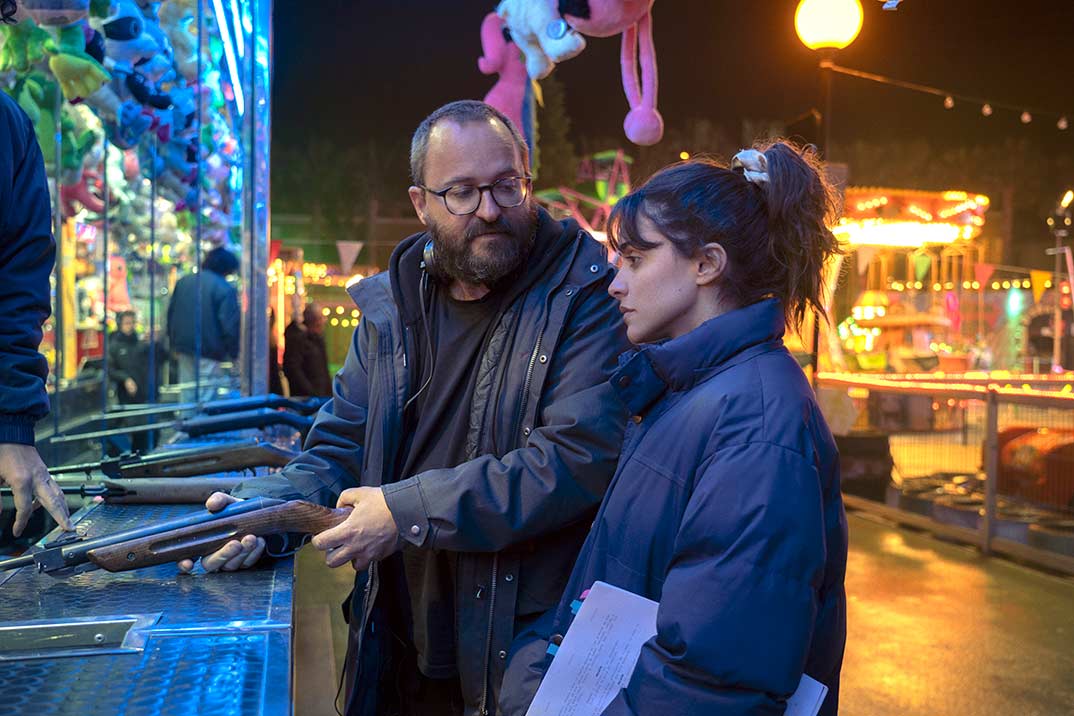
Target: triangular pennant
x=922 y=266
x=274 y=249
x=1037 y=279
x=865 y=257
x=982 y=272
x=348 y=253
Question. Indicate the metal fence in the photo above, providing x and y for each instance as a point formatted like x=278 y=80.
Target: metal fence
x=987 y=463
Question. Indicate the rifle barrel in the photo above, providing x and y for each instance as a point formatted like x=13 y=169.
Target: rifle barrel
x=15 y=562
x=60 y=439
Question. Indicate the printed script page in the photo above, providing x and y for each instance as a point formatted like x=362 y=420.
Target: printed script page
x=600 y=649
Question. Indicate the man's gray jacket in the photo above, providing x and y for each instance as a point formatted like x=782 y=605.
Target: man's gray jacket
x=545 y=432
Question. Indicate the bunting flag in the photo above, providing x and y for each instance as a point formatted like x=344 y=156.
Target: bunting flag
x=922 y=266
x=982 y=272
x=274 y=249
x=865 y=257
x=348 y=253
x=1037 y=279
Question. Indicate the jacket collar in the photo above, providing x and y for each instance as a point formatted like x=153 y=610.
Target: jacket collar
x=646 y=373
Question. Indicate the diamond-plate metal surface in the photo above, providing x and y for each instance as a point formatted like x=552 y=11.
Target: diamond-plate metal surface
x=222 y=646
x=257 y=597
x=192 y=675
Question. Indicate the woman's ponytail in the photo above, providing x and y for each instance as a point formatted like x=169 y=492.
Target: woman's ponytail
x=801 y=207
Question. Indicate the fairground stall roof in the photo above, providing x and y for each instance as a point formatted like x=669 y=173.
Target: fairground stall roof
x=908 y=218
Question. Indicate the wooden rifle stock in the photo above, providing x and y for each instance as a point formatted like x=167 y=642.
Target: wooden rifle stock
x=196 y=540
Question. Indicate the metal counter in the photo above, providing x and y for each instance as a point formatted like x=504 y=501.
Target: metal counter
x=215 y=644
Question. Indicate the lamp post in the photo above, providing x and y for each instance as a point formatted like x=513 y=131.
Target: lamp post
x=1059 y=223
x=826 y=26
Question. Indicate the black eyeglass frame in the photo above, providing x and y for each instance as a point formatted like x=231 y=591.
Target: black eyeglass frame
x=526 y=180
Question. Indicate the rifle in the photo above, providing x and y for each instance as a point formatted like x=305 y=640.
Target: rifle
x=229 y=457
x=185 y=537
x=148 y=490
x=206 y=425
x=304 y=406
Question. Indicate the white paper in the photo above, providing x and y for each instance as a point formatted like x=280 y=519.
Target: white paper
x=599 y=652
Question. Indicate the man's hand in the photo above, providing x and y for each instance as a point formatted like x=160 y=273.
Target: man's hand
x=236 y=554
x=130 y=386
x=22 y=469
x=367 y=535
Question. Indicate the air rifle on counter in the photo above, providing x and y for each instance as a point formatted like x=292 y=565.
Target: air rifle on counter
x=205 y=425
x=185 y=537
x=227 y=457
x=302 y=406
x=148 y=490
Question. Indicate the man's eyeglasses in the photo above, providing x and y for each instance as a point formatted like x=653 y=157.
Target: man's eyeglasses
x=464 y=199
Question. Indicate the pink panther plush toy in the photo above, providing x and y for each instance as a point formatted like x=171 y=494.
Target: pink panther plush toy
x=550 y=31
x=502 y=57
x=634 y=19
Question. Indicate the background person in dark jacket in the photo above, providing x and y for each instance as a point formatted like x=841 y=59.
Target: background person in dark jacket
x=305 y=358
x=473 y=409
x=128 y=361
x=27 y=252
x=725 y=507
x=217 y=303
x=128 y=369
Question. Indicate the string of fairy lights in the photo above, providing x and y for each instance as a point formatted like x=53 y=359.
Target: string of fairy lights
x=950 y=100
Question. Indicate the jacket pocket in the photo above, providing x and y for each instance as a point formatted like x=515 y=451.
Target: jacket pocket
x=640 y=522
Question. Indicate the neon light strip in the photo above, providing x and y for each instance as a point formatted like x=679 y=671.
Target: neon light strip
x=229 y=55
x=239 y=41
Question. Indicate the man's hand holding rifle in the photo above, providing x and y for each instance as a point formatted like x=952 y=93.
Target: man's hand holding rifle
x=368 y=534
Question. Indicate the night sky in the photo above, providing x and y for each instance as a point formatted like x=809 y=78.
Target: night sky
x=352 y=70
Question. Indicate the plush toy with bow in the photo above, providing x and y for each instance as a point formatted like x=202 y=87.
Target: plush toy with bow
x=541 y=33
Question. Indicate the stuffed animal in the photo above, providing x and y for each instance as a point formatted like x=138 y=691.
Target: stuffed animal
x=541 y=33
x=78 y=73
x=82 y=194
x=55 y=13
x=24 y=46
x=177 y=18
x=634 y=19
x=501 y=56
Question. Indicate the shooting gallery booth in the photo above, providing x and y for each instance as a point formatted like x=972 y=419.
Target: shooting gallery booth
x=154 y=122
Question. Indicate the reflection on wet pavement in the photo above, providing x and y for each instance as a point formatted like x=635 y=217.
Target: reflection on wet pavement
x=937 y=629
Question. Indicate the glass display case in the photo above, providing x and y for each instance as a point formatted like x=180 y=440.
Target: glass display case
x=154 y=122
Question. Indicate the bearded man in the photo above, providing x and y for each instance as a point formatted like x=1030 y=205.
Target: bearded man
x=474 y=414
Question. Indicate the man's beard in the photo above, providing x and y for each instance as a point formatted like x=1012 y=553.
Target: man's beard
x=456 y=259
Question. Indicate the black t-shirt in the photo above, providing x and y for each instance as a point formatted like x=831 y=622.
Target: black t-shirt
x=437 y=425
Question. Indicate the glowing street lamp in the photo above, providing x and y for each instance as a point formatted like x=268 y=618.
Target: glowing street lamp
x=827 y=24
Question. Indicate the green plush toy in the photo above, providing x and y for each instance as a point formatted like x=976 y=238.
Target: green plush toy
x=24 y=46
x=79 y=74
x=36 y=94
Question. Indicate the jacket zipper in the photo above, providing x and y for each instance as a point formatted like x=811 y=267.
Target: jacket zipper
x=488 y=638
x=529 y=380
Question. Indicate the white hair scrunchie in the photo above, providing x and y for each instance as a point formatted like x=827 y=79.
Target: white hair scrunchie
x=754 y=166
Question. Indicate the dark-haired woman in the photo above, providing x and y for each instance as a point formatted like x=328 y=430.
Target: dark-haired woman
x=725 y=507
